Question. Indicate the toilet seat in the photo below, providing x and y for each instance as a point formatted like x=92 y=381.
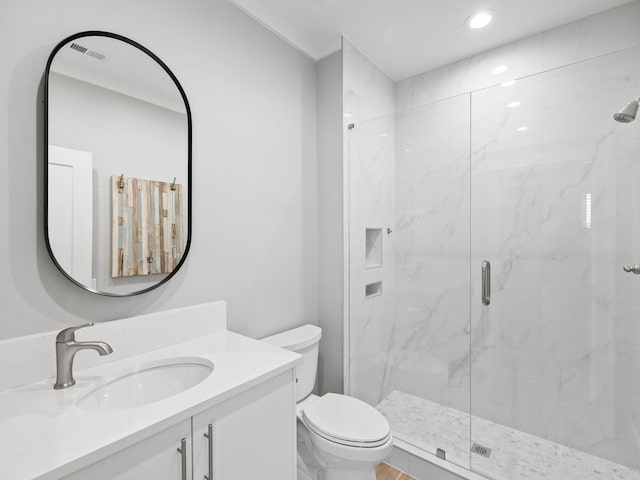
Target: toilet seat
x=346 y=421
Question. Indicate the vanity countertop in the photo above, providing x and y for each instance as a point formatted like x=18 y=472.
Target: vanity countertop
x=45 y=436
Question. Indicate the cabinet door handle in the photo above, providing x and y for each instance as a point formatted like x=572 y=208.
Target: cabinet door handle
x=183 y=457
x=486 y=283
x=209 y=436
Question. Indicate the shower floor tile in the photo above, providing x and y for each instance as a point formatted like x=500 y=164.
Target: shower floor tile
x=514 y=455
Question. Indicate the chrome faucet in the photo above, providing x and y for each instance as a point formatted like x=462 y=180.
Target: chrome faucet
x=66 y=349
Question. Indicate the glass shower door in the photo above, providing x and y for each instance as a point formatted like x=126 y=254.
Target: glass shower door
x=555 y=355
x=425 y=391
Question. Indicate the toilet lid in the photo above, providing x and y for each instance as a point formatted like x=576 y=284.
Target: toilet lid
x=347 y=420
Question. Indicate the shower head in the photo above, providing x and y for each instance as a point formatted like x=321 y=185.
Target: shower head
x=627 y=113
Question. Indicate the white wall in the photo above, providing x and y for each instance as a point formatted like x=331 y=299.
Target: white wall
x=254 y=212
x=330 y=223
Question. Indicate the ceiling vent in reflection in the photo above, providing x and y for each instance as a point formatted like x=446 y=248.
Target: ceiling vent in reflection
x=79 y=48
x=96 y=55
x=92 y=53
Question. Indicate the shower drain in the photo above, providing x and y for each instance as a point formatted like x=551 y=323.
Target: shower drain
x=481 y=450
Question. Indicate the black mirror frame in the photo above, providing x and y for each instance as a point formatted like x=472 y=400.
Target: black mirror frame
x=60 y=45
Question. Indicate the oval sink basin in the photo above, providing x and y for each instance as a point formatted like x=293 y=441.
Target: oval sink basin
x=147 y=383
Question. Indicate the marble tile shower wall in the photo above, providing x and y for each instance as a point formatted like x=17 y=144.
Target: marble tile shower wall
x=369 y=153
x=557 y=353
x=429 y=347
x=368 y=93
x=372 y=152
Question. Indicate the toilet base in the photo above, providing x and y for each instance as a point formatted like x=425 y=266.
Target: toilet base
x=316 y=464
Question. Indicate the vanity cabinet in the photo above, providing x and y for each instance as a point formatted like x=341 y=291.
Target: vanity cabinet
x=253 y=436
x=155 y=457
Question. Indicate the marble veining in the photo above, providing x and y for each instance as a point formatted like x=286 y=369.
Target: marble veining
x=515 y=455
x=372 y=167
x=547 y=190
x=369 y=150
x=551 y=208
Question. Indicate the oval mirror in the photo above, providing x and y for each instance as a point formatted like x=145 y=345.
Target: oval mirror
x=117 y=165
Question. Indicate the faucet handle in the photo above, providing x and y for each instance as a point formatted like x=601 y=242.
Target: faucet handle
x=68 y=334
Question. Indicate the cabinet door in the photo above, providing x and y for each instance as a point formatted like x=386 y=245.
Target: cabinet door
x=253 y=434
x=155 y=458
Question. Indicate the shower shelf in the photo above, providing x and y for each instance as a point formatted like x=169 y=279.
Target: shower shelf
x=373 y=290
x=373 y=248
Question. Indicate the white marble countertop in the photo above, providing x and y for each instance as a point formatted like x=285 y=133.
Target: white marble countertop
x=44 y=436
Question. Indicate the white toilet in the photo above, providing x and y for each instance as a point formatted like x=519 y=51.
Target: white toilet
x=339 y=437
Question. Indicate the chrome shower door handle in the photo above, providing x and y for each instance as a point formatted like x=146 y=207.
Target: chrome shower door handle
x=486 y=282
x=635 y=268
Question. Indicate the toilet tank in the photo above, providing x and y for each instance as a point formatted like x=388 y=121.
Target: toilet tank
x=304 y=340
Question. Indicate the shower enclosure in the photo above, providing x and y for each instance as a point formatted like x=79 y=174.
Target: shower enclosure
x=537 y=180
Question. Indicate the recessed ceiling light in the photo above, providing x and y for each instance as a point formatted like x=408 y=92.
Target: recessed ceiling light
x=522 y=129
x=479 y=19
x=513 y=105
x=500 y=69
x=508 y=83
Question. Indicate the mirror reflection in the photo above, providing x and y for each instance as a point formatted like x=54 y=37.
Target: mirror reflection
x=118 y=165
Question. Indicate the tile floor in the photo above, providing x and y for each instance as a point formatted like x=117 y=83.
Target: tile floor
x=514 y=455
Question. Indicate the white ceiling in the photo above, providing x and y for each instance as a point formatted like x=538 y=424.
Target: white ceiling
x=406 y=37
x=124 y=69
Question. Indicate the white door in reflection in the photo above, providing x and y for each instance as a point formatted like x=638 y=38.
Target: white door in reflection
x=71 y=211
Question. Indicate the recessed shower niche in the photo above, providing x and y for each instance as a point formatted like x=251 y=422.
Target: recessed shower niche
x=373 y=248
